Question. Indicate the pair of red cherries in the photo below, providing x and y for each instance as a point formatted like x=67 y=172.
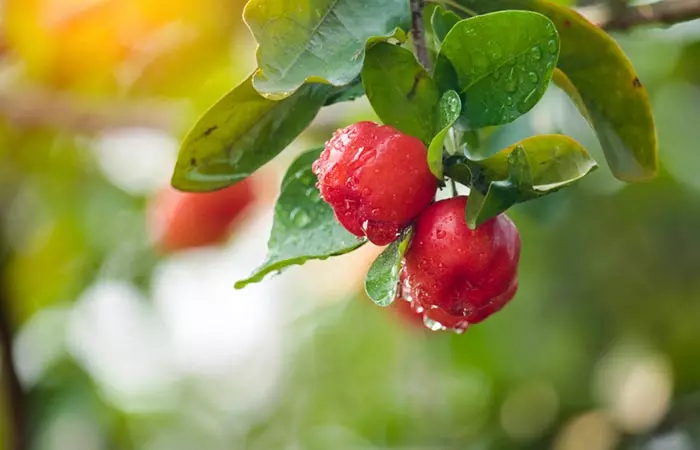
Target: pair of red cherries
x=378 y=182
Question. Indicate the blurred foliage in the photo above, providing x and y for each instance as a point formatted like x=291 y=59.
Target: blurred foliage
x=599 y=349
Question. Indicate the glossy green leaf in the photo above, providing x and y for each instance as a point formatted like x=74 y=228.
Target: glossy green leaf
x=400 y=90
x=529 y=169
x=346 y=93
x=617 y=103
x=502 y=62
x=442 y=21
x=304 y=225
x=317 y=40
x=556 y=161
x=242 y=132
x=449 y=108
x=382 y=281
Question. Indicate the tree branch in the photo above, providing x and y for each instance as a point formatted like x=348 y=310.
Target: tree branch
x=13 y=391
x=418 y=31
x=666 y=12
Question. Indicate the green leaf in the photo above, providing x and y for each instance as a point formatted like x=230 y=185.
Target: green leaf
x=442 y=22
x=304 y=225
x=401 y=91
x=449 y=108
x=346 y=93
x=529 y=169
x=242 y=132
x=317 y=40
x=382 y=281
x=617 y=103
x=503 y=63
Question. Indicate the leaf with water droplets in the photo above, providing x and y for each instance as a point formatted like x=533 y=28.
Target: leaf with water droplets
x=382 y=281
x=401 y=91
x=600 y=78
x=502 y=64
x=317 y=40
x=442 y=22
x=242 y=132
x=304 y=226
x=529 y=169
x=449 y=108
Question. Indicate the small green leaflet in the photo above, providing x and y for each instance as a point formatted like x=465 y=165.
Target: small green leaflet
x=442 y=22
x=531 y=168
x=304 y=225
x=382 y=281
x=449 y=108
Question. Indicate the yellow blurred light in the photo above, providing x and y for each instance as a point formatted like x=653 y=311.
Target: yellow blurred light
x=589 y=431
x=85 y=43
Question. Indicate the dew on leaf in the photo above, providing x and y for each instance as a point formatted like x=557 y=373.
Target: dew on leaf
x=528 y=102
x=509 y=100
x=511 y=86
x=495 y=50
x=536 y=53
x=552 y=46
x=533 y=77
x=300 y=218
x=480 y=61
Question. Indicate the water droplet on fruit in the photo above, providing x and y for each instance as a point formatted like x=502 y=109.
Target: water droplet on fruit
x=532 y=76
x=552 y=46
x=432 y=324
x=461 y=327
x=440 y=234
x=300 y=218
x=536 y=53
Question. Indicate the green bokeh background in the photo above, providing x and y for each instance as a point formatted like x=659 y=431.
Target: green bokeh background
x=600 y=349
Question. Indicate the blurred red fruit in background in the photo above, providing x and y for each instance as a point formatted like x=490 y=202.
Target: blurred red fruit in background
x=182 y=220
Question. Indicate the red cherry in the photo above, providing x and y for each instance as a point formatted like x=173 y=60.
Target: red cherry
x=182 y=220
x=376 y=179
x=457 y=276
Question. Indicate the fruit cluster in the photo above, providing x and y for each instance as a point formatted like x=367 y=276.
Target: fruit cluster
x=378 y=182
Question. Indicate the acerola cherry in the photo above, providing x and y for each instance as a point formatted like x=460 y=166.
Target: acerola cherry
x=456 y=276
x=376 y=179
x=183 y=220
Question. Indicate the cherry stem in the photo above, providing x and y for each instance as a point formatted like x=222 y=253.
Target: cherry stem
x=418 y=31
